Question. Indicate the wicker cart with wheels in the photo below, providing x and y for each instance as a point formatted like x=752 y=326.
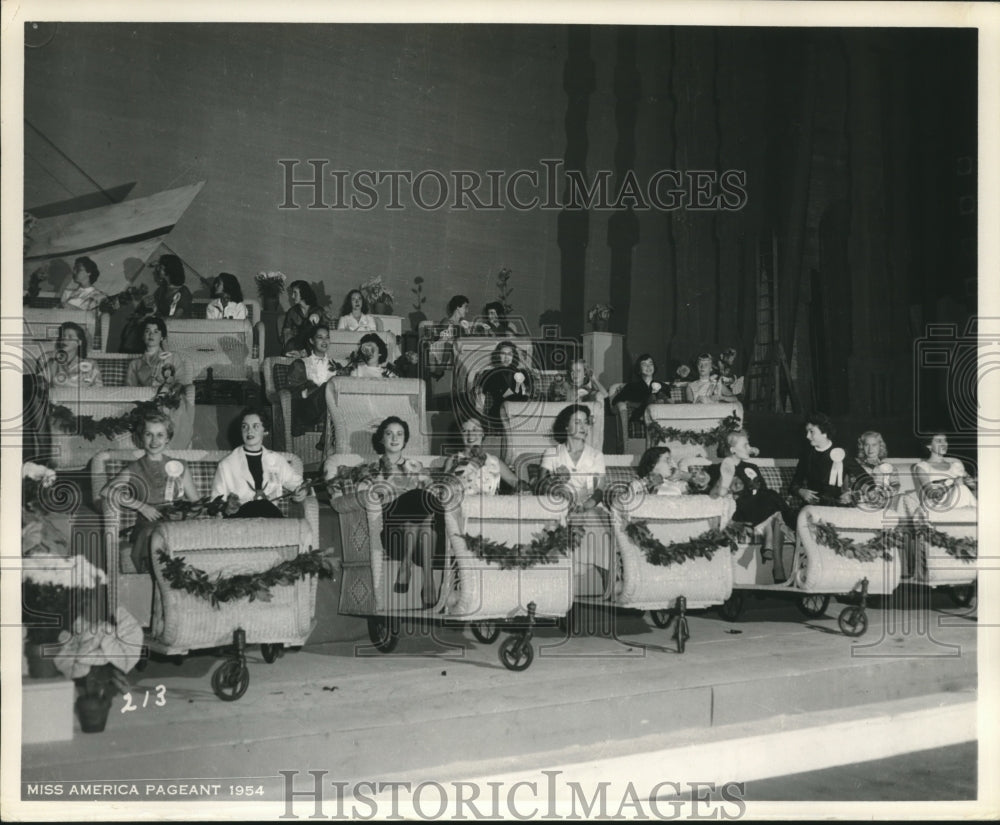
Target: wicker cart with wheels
x=220 y=551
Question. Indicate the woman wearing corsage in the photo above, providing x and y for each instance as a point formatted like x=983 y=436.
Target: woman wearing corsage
x=70 y=367
x=479 y=472
x=149 y=482
x=642 y=390
x=372 y=356
x=578 y=385
x=307 y=381
x=251 y=476
x=354 y=315
x=506 y=380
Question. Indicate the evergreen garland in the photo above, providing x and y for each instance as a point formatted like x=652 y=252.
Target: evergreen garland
x=113 y=425
x=877 y=547
x=252 y=586
x=963 y=549
x=703 y=546
x=546 y=547
x=716 y=435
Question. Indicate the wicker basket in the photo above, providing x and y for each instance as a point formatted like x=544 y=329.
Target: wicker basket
x=182 y=621
x=702 y=582
x=818 y=569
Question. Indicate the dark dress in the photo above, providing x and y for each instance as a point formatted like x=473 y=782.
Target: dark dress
x=495 y=383
x=406 y=516
x=173 y=304
x=639 y=395
x=756 y=502
x=308 y=412
x=813 y=473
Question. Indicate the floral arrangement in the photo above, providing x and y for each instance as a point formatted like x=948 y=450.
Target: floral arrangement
x=546 y=547
x=40 y=534
x=348 y=478
x=418 y=292
x=55 y=586
x=376 y=292
x=683 y=372
x=599 y=312
x=270 y=284
x=724 y=370
x=35 y=281
x=717 y=435
x=703 y=546
x=252 y=586
x=504 y=289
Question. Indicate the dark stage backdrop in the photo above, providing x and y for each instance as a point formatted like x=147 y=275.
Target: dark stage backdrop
x=858 y=148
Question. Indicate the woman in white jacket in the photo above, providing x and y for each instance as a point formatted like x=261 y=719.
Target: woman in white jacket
x=253 y=474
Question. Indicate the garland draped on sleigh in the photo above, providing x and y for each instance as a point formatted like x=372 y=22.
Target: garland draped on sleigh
x=113 y=425
x=878 y=546
x=252 y=586
x=703 y=546
x=707 y=438
x=546 y=547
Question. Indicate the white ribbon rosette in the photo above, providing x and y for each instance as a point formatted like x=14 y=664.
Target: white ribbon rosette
x=518 y=381
x=837 y=470
x=174 y=470
x=656 y=386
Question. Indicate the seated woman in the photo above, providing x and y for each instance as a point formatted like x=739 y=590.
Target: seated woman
x=454 y=325
x=373 y=355
x=756 y=503
x=707 y=388
x=227 y=298
x=166 y=371
x=823 y=473
x=81 y=292
x=578 y=470
x=149 y=482
x=413 y=520
x=506 y=380
x=69 y=366
x=307 y=380
x=480 y=472
x=493 y=322
x=354 y=314
x=642 y=390
x=252 y=475
x=301 y=316
x=659 y=474
x=702 y=474
x=171 y=299
x=942 y=482
x=877 y=481
x=578 y=385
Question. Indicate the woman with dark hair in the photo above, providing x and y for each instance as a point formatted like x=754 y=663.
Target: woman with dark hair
x=642 y=390
x=372 y=355
x=302 y=313
x=172 y=299
x=354 y=315
x=823 y=473
x=454 y=324
x=227 y=298
x=254 y=475
x=413 y=520
x=81 y=292
x=493 y=321
x=505 y=380
x=69 y=366
x=942 y=481
x=307 y=380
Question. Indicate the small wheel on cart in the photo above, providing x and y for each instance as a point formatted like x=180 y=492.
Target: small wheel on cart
x=814 y=605
x=682 y=634
x=486 y=632
x=516 y=655
x=732 y=608
x=231 y=680
x=661 y=618
x=272 y=652
x=962 y=594
x=382 y=634
x=852 y=621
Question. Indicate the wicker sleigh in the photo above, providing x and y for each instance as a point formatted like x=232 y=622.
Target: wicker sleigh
x=934 y=566
x=701 y=582
x=224 y=345
x=818 y=569
x=184 y=622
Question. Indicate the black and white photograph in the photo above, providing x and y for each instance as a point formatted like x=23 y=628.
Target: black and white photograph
x=500 y=412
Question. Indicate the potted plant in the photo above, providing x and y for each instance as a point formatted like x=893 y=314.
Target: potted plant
x=97 y=656
x=504 y=290
x=418 y=304
x=379 y=296
x=270 y=285
x=600 y=316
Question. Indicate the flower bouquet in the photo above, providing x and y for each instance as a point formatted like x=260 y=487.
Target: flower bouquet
x=599 y=315
x=377 y=294
x=130 y=295
x=270 y=285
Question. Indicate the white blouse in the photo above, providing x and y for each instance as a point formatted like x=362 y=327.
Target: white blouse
x=583 y=474
x=235 y=310
x=366 y=323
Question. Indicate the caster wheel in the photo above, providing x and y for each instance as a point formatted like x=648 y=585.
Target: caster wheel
x=485 y=632
x=853 y=621
x=814 y=605
x=272 y=652
x=732 y=608
x=962 y=594
x=661 y=618
x=682 y=635
x=382 y=634
x=514 y=659
x=231 y=680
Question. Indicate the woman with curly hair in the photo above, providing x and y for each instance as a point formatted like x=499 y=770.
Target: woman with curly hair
x=506 y=380
x=301 y=316
x=354 y=315
x=227 y=298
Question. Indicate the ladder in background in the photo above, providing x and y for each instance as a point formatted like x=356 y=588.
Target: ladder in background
x=769 y=385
